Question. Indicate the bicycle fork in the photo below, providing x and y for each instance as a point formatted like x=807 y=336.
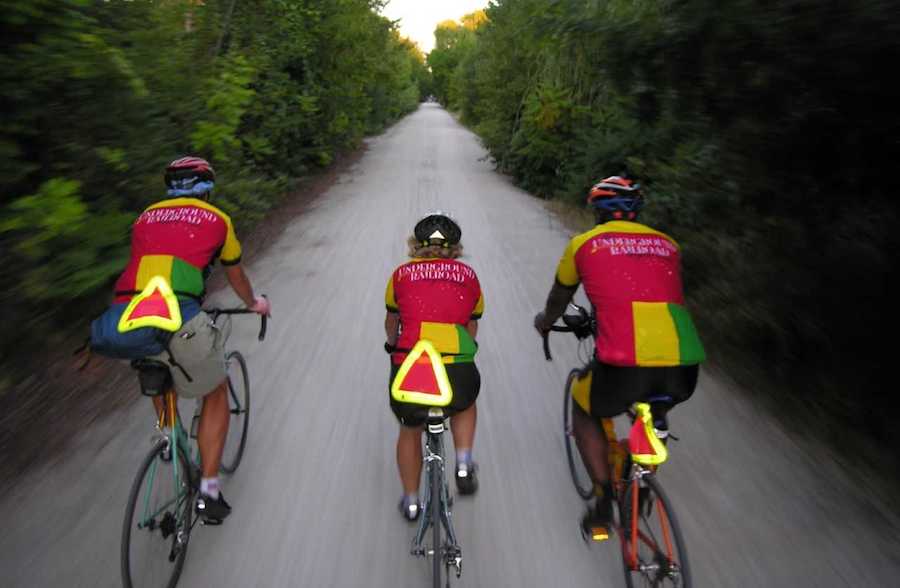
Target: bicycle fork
x=435 y=466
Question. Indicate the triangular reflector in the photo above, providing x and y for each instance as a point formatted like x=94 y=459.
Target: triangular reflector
x=157 y=306
x=645 y=446
x=153 y=305
x=422 y=378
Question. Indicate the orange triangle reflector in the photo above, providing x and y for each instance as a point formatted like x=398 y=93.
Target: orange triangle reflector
x=157 y=306
x=422 y=378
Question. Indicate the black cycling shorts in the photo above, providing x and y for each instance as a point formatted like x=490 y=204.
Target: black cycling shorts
x=465 y=381
x=615 y=388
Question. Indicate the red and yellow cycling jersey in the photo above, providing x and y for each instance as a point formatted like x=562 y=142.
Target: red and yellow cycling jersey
x=632 y=275
x=436 y=299
x=177 y=239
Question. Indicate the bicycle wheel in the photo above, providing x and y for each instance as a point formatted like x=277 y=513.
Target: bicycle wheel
x=157 y=522
x=436 y=498
x=239 y=409
x=657 y=557
x=583 y=484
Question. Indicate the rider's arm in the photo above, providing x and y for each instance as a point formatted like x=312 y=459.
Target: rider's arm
x=392 y=327
x=240 y=283
x=559 y=297
x=472 y=328
x=567 y=280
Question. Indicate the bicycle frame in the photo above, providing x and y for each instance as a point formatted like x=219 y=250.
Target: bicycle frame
x=662 y=538
x=150 y=505
x=631 y=539
x=172 y=434
x=170 y=429
x=435 y=466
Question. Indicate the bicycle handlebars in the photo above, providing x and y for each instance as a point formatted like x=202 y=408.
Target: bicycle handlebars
x=546 y=337
x=574 y=324
x=215 y=312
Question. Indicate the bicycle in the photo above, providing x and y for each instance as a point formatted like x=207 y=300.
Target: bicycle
x=160 y=513
x=436 y=515
x=652 y=545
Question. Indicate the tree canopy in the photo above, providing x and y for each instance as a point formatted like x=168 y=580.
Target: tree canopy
x=99 y=95
x=763 y=134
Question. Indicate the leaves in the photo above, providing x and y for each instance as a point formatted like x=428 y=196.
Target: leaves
x=99 y=95
x=761 y=132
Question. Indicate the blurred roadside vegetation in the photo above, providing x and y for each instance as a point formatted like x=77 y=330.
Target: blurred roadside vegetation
x=97 y=96
x=765 y=134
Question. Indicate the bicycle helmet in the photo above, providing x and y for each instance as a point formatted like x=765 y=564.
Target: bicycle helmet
x=189 y=175
x=616 y=195
x=437 y=228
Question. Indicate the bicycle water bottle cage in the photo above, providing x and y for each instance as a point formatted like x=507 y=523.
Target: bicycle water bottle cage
x=646 y=448
x=435 y=421
x=154 y=376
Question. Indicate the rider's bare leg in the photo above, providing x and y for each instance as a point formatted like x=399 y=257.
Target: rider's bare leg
x=592 y=445
x=214 y=417
x=462 y=425
x=409 y=458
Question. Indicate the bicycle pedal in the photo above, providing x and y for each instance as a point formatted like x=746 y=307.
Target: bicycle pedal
x=595 y=534
x=599 y=534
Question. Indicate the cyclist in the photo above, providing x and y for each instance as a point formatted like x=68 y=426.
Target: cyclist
x=179 y=239
x=646 y=343
x=430 y=296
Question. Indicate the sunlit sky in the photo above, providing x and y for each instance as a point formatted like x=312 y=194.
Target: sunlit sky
x=419 y=17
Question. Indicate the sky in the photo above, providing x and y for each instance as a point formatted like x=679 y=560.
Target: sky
x=420 y=17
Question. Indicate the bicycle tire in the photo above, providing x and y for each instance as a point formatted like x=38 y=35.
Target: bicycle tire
x=436 y=499
x=160 y=473
x=238 y=382
x=654 y=548
x=580 y=478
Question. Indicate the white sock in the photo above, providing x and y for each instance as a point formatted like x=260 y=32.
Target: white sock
x=210 y=487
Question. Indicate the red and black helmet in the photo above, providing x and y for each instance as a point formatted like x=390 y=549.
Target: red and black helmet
x=617 y=195
x=192 y=169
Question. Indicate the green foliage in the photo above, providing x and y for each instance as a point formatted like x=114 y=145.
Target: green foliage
x=64 y=250
x=98 y=95
x=761 y=132
x=229 y=96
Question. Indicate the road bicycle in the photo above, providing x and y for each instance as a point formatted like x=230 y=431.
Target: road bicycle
x=159 y=515
x=436 y=516
x=652 y=545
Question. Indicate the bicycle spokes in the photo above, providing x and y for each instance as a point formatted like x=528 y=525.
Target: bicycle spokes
x=435 y=521
x=652 y=548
